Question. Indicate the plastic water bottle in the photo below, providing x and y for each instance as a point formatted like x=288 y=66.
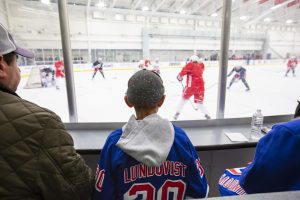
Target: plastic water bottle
x=256 y=125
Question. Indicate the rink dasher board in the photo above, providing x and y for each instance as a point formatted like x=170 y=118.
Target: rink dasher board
x=25 y=70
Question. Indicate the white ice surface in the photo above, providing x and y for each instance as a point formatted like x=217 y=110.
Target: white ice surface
x=101 y=100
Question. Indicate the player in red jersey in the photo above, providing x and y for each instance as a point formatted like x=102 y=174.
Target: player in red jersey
x=291 y=65
x=147 y=63
x=193 y=70
x=59 y=72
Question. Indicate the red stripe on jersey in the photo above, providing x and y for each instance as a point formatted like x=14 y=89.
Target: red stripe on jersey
x=235 y=171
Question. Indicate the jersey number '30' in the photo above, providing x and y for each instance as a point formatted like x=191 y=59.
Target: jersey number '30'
x=148 y=191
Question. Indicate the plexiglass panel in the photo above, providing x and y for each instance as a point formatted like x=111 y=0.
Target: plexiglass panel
x=264 y=47
x=36 y=26
x=264 y=38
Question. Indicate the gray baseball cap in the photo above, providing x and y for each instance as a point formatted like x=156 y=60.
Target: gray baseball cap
x=145 y=88
x=7 y=44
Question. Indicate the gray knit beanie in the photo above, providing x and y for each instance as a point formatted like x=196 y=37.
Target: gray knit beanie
x=145 y=89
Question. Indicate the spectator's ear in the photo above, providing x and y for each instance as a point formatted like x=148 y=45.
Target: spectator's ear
x=130 y=105
x=161 y=101
x=297 y=112
x=2 y=67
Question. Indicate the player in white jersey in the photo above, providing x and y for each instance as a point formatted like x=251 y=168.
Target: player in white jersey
x=155 y=66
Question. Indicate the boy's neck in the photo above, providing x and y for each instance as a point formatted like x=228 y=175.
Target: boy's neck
x=141 y=114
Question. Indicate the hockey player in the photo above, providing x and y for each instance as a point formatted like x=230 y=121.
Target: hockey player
x=291 y=65
x=98 y=66
x=147 y=63
x=149 y=157
x=276 y=163
x=194 y=85
x=141 y=65
x=240 y=74
x=155 y=66
x=59 y=72
x=44 y=77
x=47 y=75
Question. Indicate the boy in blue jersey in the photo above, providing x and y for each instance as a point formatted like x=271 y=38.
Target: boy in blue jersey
x=149 y=157
x=275 y=166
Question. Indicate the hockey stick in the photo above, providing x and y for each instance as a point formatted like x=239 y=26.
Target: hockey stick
x=189 y=99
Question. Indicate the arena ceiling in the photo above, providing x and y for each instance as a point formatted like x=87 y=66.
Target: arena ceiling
x=247 y=12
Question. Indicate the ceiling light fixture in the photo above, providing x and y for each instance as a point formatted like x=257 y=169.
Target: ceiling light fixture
x=145 y=8
x=101 y=4
x=267 y=19
x=243 y=17
x=119 y=17
x=47 y=2
x=289 y=21
x=182 y=12
x=214 y=15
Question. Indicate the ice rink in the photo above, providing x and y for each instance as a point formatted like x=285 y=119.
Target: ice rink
x=101 y=100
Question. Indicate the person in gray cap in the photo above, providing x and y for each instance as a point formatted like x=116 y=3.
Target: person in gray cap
x=38 y=159
x=149 y=156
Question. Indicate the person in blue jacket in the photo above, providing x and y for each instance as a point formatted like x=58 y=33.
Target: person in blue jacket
x=275 y=166
x=149 y=157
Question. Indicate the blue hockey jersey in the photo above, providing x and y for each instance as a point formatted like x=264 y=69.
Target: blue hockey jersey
x=98 y=64
x=276 y=163
x=121 y=176
x=241 y=71
x=229 y=184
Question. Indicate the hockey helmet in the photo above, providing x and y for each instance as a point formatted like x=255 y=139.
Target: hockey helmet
x=194 y=58
x=141 y=62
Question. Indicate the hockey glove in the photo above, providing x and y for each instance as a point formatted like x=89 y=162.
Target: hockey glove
x=179 y=78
